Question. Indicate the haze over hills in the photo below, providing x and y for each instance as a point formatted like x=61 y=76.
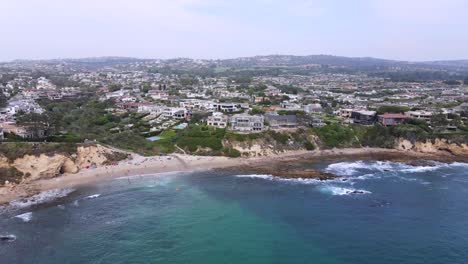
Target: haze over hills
x=268 y=61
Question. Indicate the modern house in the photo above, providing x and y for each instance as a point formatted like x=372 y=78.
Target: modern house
x=281 y=121
x=316 y=121
x=218 y=120
x=225 y=107
x=313 y=108
x=176 y=112
x=158 y=95
x=34 y=131
x=363 y=117
x=247 y=123
x=291 y=106
x=388 y=119
x=424 y=115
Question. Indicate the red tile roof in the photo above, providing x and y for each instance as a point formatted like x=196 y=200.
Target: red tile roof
x=388 y=115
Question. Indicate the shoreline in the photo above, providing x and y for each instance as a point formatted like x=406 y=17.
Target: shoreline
x=139 y=165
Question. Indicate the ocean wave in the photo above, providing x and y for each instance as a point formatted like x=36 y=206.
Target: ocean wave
x=26 y=217
x=41 y=198
x=275 y=178
x=149 y=175
x=348 y=169
x=335 y=190
x=94 y=196
x=352 y=168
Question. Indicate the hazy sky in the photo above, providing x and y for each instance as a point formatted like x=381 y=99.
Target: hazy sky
x=394 y=29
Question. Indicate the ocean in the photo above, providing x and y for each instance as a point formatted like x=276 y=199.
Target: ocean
x=377 y=212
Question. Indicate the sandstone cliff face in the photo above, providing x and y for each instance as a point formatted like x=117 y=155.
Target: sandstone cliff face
x=87 y=156
x=35 y=167
x=432 y=146
x=254 y=149
x=264 y=147
x=43 y=166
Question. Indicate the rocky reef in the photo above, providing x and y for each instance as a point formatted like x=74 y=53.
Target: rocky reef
x=288 y=170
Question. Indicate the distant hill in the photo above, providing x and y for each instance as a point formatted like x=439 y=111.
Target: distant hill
x=355 y=63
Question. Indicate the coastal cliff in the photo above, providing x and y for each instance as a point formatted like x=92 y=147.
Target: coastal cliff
x=272 y=143
x=432 y=146
x=50 y=164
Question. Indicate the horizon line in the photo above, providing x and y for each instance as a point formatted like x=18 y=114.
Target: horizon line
x=229 y=58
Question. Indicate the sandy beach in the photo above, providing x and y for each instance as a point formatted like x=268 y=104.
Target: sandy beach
x=139 y=165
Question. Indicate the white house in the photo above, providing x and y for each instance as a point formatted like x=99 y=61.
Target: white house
x=218 y=120
x=247 y=123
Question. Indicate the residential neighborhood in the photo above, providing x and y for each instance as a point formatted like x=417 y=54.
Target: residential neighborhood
x=141 y=98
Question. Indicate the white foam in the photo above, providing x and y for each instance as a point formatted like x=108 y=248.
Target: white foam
x=352 y=168
x=275 y=178
x=459 y=164
x=417 y=169
x=149 y=175
x=94 y=196
x=261 y=176
x=335 y=190
x=345 y=168
x=26 y=217
x=43 y=197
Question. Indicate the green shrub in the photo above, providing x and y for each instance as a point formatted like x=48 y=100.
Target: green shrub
x=378 y=136
x=336 y=135
x=279 y=137
x=201 y=136
x=231 y=152
x=309 y=145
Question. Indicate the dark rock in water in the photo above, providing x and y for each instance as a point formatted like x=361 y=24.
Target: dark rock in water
x=288 y=170
x=417 y=163
x=356 y=192
x=304 y=174
x=7 y=238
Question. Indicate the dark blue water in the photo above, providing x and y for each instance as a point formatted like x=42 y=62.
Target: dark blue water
x=400 y=214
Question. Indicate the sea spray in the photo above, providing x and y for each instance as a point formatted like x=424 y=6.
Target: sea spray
x=43 y=197
x=26 y=217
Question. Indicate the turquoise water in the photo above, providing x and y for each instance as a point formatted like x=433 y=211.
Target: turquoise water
x=398 y=214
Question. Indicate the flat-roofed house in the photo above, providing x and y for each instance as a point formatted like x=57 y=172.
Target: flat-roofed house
x=281 y=121
x=247 y=123
x=363 y=117
x=424 y=115
x=218 y=120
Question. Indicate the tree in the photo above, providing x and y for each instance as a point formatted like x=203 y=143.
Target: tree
x=146 y=87
x=439 y=120
x=256 y=111
x=396 y=109
x=114 y=87
x=3 y=99
x=452 y=82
